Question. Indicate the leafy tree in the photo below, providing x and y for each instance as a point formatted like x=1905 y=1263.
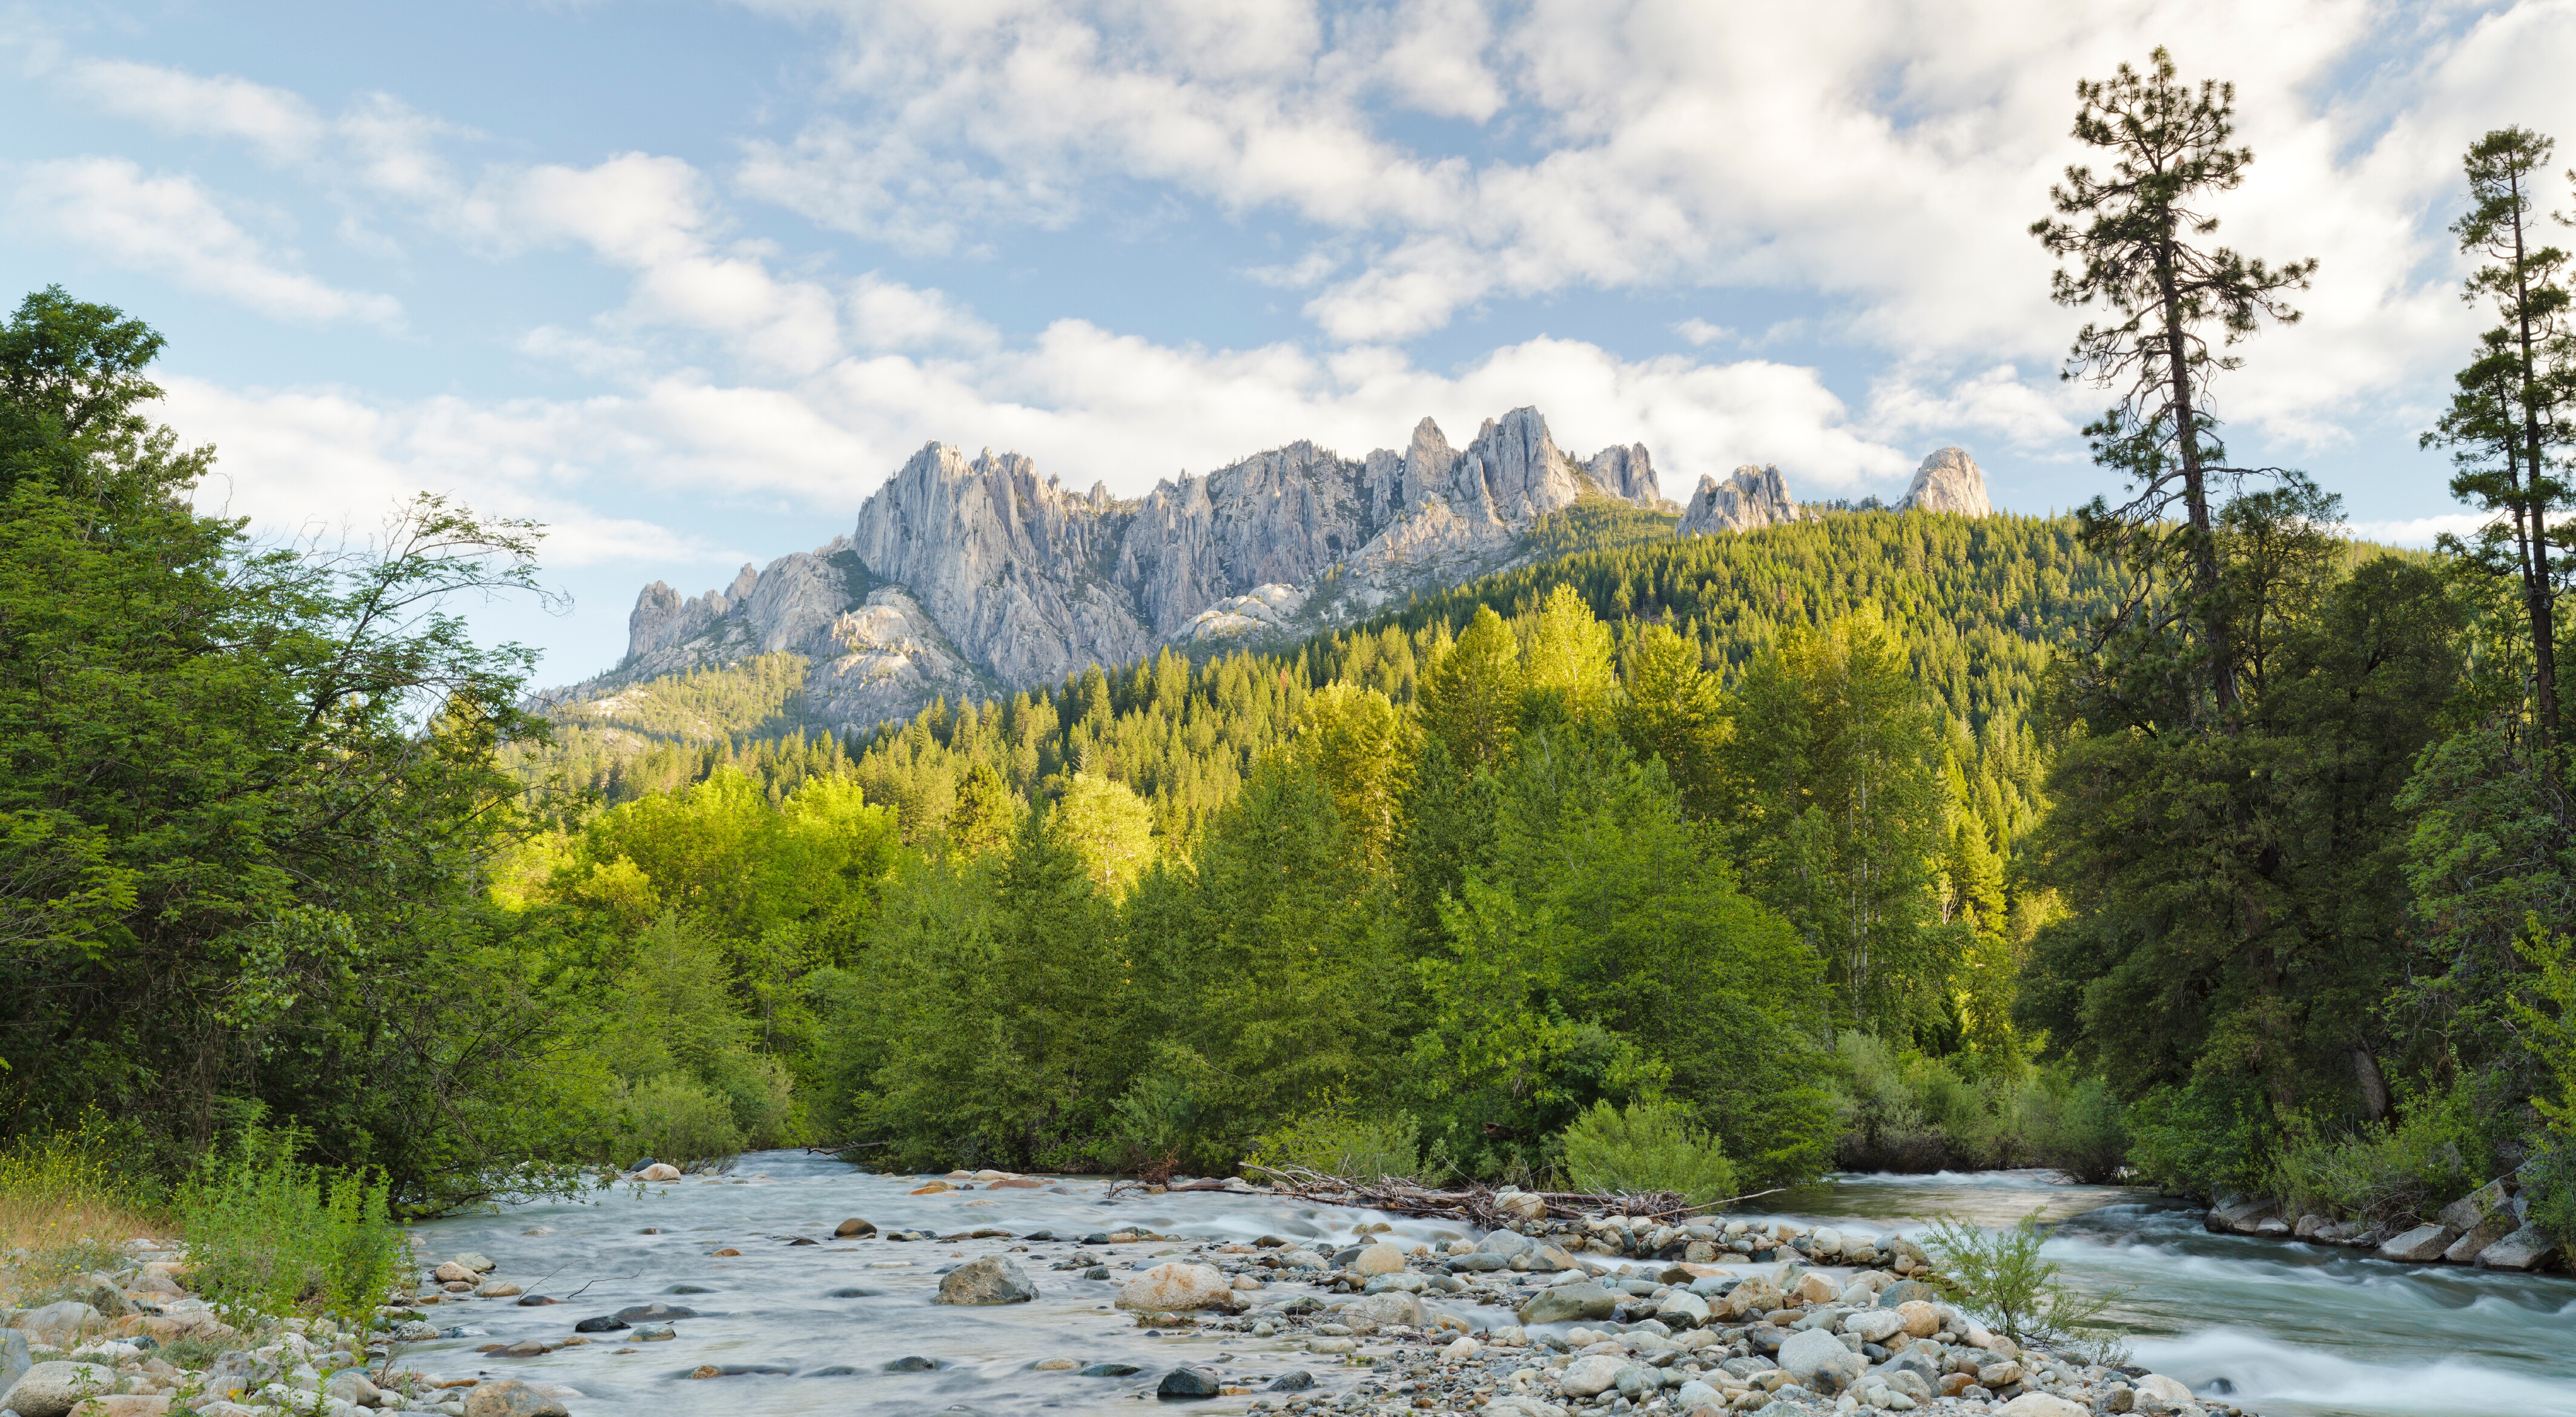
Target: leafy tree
x=2131 y=236
x=1674 y=712
x=1471 y=699
x=1104 y=824
x=1839 y=820
x=1359 y=745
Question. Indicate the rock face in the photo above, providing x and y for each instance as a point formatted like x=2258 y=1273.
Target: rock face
x=1748 y=500
x=1948 y=481
x=967 y=576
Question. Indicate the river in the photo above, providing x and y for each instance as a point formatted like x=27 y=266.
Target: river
x=2279 y=1328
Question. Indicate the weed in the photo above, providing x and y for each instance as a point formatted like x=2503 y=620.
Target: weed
x=2000 y=1276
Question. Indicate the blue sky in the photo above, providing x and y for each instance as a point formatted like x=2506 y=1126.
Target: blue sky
x=686 y=281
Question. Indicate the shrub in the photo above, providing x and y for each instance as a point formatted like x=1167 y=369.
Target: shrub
x=2000 y=1276
x=2074 y=1124
x=270 y=1235
x=2549 y=1181
x=2400 y=1174
x=1339 y=1143
x=672 y=1119
x=1646 y=1146
x=1885 y=1127
x=2203 y=1138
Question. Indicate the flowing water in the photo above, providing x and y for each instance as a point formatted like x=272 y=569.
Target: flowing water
x=2279 y=1328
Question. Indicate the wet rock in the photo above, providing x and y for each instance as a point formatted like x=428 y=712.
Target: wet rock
x=2524 y=1250
x=655 y=1333
x=50 y=1389
x=659 y=1171
x=2040 y=1404
x=990 y=1280
x=915 y=1364
x=1818 y=1361
x=600 y=1323
x=498 y=1289
x=2421 y=1245
x=655 y=1312
x=1565 y=1303
x=509 y=1397
x=853 y=1228
x=452 y=1273
x=1188 y=1382
x=1111 y=1370
x=1178 y=1288
x=2240 y=1217
x=1294 y=1380
x=1054 y=1365
x=536 y=1301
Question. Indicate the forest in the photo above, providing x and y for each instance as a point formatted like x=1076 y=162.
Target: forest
x=2185 y=839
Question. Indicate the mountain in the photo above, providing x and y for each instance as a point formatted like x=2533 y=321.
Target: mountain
x=964 y=577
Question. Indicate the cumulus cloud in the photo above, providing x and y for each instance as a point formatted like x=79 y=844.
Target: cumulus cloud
x=111 y=210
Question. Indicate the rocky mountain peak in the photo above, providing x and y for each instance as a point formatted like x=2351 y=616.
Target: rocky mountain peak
x=1948 y=481
x=1750 y=499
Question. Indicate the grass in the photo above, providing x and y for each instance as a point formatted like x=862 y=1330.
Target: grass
x=69 y=1202
x=273 y=1236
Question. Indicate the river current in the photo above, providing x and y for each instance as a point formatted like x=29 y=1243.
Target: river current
x=2279 y=1328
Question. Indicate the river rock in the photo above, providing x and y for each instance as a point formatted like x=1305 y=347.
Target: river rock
x=480 y=1264
x=993 y=1279
x=1825 y=1242
x=2523 y=1250
x=1521 y=1205
x=351 y=1386
x=1177 y=1288
x=1997 y=1375
x=1189 y=1382
x=853 y=1228
x=2040 y=1404
x=1752 y=1297
x=1521 y=1405
x=59 y=1325
x=51 y=1389
x=1378 y=1259
x=1565 y=1303
x=1683 y=1309
x=2421 y=1245
x=1392 y=1306
x=600 y=1323
x=659 y=1171
x=2157 y=1388
x=1506 y=1243
x=1817 y=1360
x=1590 y=1376
x=654 y=1313
x=1814 y=1288
x=130 y=1404
x=2240 y=1217
x=497 y=1289
x=1694 y=1395
x=508 y=1397
x=2491 y=1227
x=2466 y=1212
x=452 y=1273
x=1874 y=1325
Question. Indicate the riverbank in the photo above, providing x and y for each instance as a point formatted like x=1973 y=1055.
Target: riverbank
x=2490 y=1228
x=785 y=1314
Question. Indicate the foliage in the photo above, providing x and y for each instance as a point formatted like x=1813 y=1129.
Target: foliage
x=270 y=1235
x=2209 y=1136
x=2001 y=1276
x=2400 y=1174
x=1647 y=1145
x=1905 y=1111
x=1337 y=1142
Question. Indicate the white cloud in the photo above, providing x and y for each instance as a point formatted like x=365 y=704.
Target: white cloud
x=1701 y=332
x=171 y=225
x=276 y=123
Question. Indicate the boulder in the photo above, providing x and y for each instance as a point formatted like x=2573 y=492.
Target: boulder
x=1189 y=1382
x=480 y=1264
x=508 y=1397
x=1590 y=1376
x=59 y=1325
x=2240 y=1217
x=51 y=1389
x=2491 y=1227
x=852 y=1228
x=131 y=1404
x=1818 y=1361
x=1814 y=1288
x=993 y=1279
x=2168 y=1391
x=1380 y=1258
x=1752 y=1297
x=1921 y=1320
x=1177 y=1288
x=1683 y=1309
x=659 y=1171
x=2421 y=1245
x=1565 y=1303
x=351 y=1386
x=1521 y=1205
x=2522 y=1250
x=2040 y=1404
x=1874 y=1325
x=2466 y=1212
x=1506 y=1243
x=452 y=1273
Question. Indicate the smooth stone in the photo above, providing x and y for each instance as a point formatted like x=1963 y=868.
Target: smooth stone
x=1294 y=1380
x=2040 y=1404
x=1178 y=1288
x=1188 y=1382
x=656 y=1312
x=2421 y=1245
x=851 y=1228
x=509 y=1397
x=990 y=1280
x=479 y=1263
x=1378 y=1259
x=1590 y=1376
x=1818 y=1361
x=50 y=1389
x=1904 y=1292
x=1111 y=1370
x=912 y=1364
x=2524 y=1250
x=1564 y=1303
x=600 y=1323
x=1874 y=1325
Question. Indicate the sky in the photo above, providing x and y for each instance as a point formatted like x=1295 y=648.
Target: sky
x=685 y=282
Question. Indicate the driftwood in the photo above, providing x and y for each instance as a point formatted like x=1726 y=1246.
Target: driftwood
x=1479 y=1205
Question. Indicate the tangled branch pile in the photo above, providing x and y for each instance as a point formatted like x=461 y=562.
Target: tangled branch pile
x=1484 y=1206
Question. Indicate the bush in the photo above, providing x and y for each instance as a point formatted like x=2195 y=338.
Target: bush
x=2549 y=1181
x=2000 y=1276
x=2074 y=1124
x=2401 y=1174
x=1884 y=1124
x=1646 y=1146
x=2204 y=1138
x=270 y=1235
x=673 y=1119
x=1338 y=1143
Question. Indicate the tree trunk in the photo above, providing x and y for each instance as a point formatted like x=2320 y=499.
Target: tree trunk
x=2537 y=595
x=2374 y=1084
x=2195 y=487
